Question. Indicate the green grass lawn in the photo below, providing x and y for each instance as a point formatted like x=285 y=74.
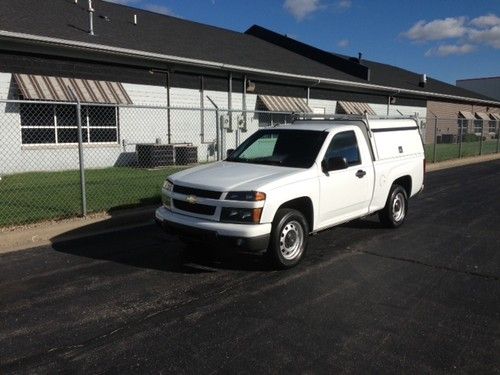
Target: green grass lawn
x=446 y=151
x=31 y=197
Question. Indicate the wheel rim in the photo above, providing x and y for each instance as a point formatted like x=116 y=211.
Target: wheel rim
x=398 y=207
x=291 y=240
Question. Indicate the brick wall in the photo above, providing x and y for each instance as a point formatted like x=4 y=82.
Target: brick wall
x=447 y=114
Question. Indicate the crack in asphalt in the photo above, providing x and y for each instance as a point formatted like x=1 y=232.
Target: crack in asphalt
x=434 y=266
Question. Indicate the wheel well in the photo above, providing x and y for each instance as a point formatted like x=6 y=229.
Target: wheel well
x=305 y=206
x=405 y=182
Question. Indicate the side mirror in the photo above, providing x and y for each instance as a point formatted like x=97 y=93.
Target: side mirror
x=335 y=163
x=229 y=152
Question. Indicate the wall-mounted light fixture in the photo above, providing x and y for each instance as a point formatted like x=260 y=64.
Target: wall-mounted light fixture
x=250 y=86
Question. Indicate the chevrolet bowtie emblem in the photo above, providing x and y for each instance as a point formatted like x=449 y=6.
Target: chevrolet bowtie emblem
x=191 y=199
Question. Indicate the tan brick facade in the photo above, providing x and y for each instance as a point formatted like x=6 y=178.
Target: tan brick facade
x=447 y=118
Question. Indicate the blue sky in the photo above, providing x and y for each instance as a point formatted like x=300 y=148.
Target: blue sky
x=446 y=39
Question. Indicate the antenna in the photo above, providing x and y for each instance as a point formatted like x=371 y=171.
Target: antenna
x=91 y=18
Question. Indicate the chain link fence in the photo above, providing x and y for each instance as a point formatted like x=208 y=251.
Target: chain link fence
x=60 y=159
x=65 y=159
x=447 y=139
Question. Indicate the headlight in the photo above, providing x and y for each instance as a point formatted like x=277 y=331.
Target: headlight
x=168 y=185
x=165 y=199
x=241 y=215
x=246 y=196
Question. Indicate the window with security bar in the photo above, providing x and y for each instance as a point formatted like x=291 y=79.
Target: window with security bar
x=478 y=126
x=48 y=124
x=463 y=126
x=492 y=126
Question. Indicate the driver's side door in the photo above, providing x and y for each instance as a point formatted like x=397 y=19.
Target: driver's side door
x=346 y=193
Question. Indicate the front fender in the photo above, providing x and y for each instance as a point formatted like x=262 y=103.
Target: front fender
x=275 y=198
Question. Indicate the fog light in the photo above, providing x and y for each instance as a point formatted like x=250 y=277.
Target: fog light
x=241 y=215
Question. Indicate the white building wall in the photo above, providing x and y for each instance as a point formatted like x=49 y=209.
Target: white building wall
x=327 y=106
x=146 y=122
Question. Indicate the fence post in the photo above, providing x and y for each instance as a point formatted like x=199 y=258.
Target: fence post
x=80 y=156
x=217 y=133
x=460 y=140
x=435 y=140
x=481 y=138
x=498 y=134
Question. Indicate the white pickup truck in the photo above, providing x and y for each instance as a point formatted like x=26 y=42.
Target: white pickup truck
x=287 y=182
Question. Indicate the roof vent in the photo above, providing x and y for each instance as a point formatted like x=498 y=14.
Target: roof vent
x=423 y=80
x=91 y=18
x=360 y=55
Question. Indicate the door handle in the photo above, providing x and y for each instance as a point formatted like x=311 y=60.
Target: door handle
x=360 y=174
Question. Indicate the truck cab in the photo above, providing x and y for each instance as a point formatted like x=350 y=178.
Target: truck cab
x=284 y=183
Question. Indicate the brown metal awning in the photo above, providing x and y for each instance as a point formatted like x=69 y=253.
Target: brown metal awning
x=495 y=116
x=355 y=108
x=483 y=116
x=37 y=87
x=284 y=104
x=466 y=115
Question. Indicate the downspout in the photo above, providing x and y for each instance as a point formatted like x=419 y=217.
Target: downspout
x=309 y=90
x=389 y=100
x=169 y=120
x=167 y=87
x=244 y=102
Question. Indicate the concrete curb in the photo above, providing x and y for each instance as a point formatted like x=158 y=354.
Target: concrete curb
x=46 y=233
x=460 y=162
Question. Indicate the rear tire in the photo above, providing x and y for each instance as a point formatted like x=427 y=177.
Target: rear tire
x=394 y=213
x=289 y=236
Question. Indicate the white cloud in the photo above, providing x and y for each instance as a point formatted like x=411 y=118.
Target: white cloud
x=437 y=29
x=344 y=4
x=467 y=34
x=450 y=49
x=159 y=9
x=301 y=9
x=343 y=43
x=486 y=21
x=489 y=36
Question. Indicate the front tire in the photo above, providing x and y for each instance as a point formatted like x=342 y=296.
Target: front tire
x=394 y=213
x=288 y=238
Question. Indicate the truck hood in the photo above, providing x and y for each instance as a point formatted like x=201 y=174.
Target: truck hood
x=233 y=176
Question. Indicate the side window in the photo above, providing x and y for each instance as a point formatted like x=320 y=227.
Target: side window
x=344 y=145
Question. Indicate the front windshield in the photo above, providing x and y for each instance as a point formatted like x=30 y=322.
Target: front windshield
x=283 y=147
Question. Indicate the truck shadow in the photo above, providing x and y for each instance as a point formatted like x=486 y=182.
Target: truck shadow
x=370 y=222
x=146 y=246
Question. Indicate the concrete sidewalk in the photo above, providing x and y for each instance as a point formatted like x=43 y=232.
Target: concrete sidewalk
x=45 y=233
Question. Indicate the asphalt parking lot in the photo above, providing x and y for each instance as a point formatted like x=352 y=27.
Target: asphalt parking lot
x=423 y=298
